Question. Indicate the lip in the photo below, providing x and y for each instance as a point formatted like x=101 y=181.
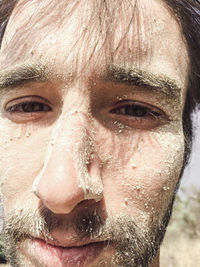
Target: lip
x=52 y=255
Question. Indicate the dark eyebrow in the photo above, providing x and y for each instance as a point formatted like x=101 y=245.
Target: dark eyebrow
x=136 y=77
x=22 y=74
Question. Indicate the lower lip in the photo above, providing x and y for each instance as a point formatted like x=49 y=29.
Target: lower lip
x=49 y=255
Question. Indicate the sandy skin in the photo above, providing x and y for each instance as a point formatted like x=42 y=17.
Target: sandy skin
x=90 y=139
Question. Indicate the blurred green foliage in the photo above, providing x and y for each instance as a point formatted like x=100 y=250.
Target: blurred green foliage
x=186 y=214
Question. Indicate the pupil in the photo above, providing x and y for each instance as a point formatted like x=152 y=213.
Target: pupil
x=31 y=107
x=136 y=111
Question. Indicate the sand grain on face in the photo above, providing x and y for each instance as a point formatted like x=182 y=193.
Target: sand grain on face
x=86 y=149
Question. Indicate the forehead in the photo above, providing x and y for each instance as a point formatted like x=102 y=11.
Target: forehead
x=142 y=34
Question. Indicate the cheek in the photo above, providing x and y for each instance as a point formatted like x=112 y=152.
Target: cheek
x=22 y=153
x=143 y=170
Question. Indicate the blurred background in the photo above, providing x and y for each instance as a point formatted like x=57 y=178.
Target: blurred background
x=192 y=172
x=181 y=246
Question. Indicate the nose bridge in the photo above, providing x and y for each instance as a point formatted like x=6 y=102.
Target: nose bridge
x=71 y=166
x=72 y=139
x=88 y=168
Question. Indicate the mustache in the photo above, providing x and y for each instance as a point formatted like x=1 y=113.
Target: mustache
x=134 y=245
x=20 y=225
x=85 y=224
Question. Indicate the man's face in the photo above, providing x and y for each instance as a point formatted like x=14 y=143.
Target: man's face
x=92 y=142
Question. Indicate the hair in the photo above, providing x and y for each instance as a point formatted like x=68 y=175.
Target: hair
x=188 y=15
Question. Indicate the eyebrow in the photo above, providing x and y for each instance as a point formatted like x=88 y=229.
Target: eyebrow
x=22 y=74
x=39 y=72
x=159 y=83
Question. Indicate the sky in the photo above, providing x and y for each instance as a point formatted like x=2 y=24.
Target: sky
x=191 y=175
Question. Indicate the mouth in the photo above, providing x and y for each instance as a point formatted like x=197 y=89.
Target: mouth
x=48 y=254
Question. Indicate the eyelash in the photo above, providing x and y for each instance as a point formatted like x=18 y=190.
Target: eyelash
x=132 y=114
x=29 y=106
x=132 y=110
x=137 y=110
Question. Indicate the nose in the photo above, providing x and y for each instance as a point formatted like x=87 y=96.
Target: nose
x=71 y=171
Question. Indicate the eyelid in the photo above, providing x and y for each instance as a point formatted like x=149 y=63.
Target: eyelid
x=152 y=108
x=15 y=108
x=129 y=122
x=26 y=99
x=19 y=116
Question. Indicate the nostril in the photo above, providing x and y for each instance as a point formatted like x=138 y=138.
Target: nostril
x=86 y=203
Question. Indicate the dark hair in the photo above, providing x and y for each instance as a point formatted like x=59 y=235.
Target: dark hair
x=6 y=8
x=188 y=14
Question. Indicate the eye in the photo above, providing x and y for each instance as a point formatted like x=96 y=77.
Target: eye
x=29 y=107
x=136 y=110
x=137 y=115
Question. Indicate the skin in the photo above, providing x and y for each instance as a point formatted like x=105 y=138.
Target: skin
x=85 y=153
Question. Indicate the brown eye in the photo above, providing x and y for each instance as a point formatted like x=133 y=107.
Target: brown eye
x=135 y=111
x=29 y=107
